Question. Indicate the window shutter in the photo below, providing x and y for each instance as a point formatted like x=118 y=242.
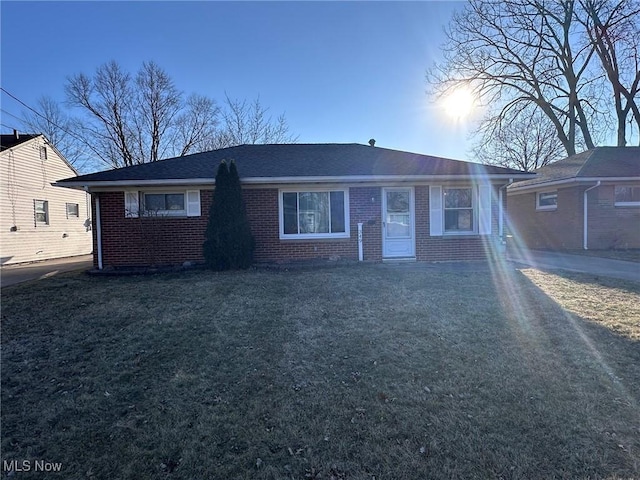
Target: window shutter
x=193 y=203
x=484 y=209
x=131 y=204
x=435 y=211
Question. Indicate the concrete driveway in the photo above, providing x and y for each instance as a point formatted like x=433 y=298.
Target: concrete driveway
x=14 y=274
x=606 y=267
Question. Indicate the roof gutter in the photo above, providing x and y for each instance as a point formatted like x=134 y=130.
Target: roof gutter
x=585 y=213
x=501 y=210
x=542 y=184
x=285 y=180
x=98 y=232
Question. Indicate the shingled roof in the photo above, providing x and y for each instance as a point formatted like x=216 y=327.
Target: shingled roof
x=11 y=140
x=597 y=163
x=263 y=163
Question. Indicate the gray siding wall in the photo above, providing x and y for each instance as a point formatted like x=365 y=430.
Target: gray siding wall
x=25 y=177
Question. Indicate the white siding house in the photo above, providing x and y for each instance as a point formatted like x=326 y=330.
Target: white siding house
x=37 y=220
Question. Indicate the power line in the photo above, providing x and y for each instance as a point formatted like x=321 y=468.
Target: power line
x=7 y=126
x=41 y=116
x=71 y=134
x=22 y=103
x=12 y=115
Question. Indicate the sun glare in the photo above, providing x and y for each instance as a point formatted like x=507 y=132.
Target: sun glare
x=459 y=104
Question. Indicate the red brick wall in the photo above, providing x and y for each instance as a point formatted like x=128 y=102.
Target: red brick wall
x=148 y=241
x=449 y=247
x=172 y=241
x=562 y=229
x=610 y=226
x=547 y=229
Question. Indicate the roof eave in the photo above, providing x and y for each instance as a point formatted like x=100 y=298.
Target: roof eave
x=83 y=185
x=515 y=188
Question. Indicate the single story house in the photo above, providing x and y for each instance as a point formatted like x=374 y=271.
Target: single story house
x=304 y=201
x=586 y=201
x=39 y=221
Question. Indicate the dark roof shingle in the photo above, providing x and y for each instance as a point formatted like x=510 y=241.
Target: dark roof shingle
x=599 y=162
x=297 y=160
x=8 y=141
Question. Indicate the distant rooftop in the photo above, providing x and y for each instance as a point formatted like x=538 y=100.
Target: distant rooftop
x=12 y=139
x=599 y=162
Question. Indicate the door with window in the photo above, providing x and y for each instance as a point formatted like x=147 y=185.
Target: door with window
x=398 y=232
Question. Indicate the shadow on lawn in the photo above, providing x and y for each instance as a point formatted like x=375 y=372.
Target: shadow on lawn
x=589 y=365
x=453 y=371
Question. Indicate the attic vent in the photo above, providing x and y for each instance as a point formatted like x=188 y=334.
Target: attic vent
x=372 y=142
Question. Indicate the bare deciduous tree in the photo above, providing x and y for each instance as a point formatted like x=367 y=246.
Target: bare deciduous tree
x=526 y=142
x=613 y=30
x=57 y=126
x=250 y=123
x=516 y=54
x=129 y=120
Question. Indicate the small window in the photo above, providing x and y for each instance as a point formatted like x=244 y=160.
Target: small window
x=547 y=201
x=41 y=212
x=314 y=214
x=459 y=214
x=164 y=204
x=43 y=153
x=627 y=196
x=73 y=210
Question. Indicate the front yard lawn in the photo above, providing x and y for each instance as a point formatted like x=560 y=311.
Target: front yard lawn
x=370 y=371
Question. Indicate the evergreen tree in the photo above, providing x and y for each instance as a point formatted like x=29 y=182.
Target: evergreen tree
x=242 y=241
x=228 y=242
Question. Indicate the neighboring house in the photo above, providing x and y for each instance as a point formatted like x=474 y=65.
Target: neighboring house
x=586 y=201
x=304 y=201
x=39 y=221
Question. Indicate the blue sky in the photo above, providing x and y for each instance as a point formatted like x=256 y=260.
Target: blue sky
x=340 y=71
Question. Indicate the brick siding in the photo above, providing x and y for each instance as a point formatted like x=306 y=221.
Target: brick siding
x=611 y=227
x=147 y=240
x=562 y=229
x=172 y=241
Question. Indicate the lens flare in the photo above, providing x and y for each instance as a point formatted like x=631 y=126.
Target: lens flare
x=459 y=104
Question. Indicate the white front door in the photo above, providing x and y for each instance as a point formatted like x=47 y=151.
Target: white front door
x=398 y=232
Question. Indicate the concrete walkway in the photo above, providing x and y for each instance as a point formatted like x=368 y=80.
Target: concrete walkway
x=14 y=274
x=606 y=267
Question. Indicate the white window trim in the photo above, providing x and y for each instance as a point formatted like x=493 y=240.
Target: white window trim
x=313 y=236
x=163 y=213
x=134 y=204
x=546 y=207
x=46 y=212
x=66 y=208
x=624 y=204
x=474 y=208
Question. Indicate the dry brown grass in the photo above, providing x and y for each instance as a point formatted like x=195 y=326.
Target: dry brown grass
x=612 y=303
x=370 y=371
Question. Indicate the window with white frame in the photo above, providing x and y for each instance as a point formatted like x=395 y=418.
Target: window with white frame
x=627 y=196
x=43 y=153
x=164 y=204
x=177 y=203
x=73 y=210
x=314 y=214
x=547 y=200
x=459 y=212
x=41 y=212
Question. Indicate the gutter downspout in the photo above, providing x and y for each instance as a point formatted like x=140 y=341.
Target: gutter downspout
x=98 y=232
x=585 y=213
x=501 y=211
